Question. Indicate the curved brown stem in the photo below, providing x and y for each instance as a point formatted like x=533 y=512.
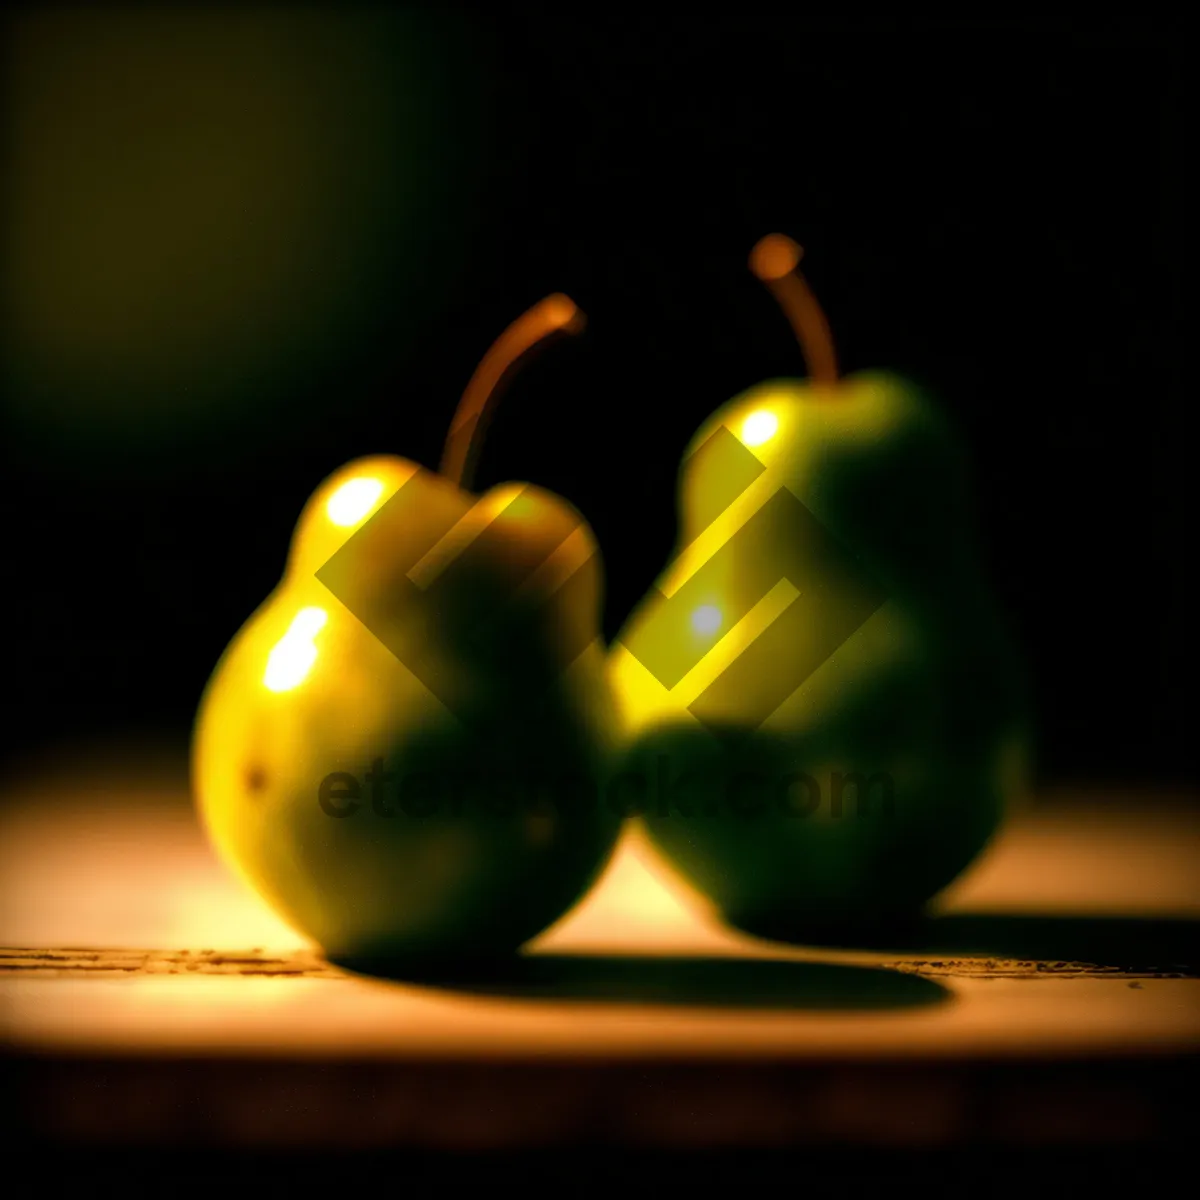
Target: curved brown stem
x=775 y=260
x=556 y=315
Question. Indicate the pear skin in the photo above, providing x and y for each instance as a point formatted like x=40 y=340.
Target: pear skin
x=401 y=750
x=821 y=705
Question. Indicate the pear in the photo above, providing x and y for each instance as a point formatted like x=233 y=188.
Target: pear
x=823 y=712
x=401 y=749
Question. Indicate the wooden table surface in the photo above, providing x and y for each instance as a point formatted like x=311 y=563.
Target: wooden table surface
x=146 y=997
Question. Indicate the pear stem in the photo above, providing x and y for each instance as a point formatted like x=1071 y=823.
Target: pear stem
x=555 y=315
x=775 y=260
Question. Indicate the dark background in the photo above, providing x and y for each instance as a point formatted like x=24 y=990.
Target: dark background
x=241 y=249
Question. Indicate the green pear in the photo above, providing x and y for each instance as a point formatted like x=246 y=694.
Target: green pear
x=400 y=750
x=822 y=709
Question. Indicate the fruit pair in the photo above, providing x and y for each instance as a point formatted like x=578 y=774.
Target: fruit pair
x=411 y=749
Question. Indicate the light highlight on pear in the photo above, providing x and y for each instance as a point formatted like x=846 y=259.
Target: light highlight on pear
x=353 y=500
x=293 y=656
x=706 y=619
x=759 y=427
